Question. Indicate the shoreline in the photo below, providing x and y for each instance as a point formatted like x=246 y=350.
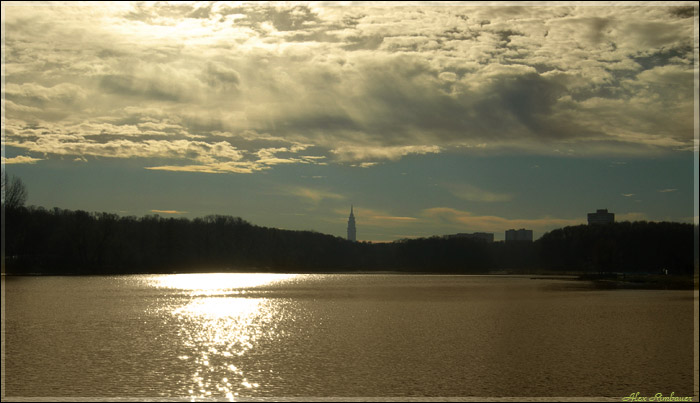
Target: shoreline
x=622 y=281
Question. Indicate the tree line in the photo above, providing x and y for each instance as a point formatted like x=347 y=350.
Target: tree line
x=58 y=241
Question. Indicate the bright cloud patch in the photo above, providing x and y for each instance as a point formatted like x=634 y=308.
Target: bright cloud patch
x=20 y=159
x=168 y=212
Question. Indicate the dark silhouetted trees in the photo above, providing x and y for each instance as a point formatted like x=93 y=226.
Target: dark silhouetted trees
x=64 y=241
x=632 y=247
x=14 y=193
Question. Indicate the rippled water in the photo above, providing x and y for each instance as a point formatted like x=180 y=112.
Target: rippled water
x=229 y=336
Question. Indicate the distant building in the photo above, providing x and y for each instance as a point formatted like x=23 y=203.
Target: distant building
x=352 y=236
x=519 y=235
x=601 y=216
x=481 y=236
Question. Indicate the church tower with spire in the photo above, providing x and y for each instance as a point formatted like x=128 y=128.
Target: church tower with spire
x=351 y=226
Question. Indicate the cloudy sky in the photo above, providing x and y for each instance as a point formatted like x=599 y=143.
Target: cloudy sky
x=429 y=119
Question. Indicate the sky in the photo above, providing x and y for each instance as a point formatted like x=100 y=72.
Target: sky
x=429 y=119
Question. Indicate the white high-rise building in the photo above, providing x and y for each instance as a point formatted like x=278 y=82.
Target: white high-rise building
x=352 y=235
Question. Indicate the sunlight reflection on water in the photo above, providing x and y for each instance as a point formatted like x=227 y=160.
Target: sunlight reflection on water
x=217 y=283
x=219 y=325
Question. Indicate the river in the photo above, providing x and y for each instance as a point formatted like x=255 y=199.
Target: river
x=232 y=336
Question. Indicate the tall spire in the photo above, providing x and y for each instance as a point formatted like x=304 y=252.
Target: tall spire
x=351 y=226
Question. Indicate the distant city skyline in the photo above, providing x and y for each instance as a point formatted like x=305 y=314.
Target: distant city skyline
x=431 y=120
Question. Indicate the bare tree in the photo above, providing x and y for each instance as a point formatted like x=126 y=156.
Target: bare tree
x=14 y=193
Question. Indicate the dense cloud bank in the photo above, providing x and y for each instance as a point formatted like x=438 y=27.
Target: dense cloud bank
x=217 y=88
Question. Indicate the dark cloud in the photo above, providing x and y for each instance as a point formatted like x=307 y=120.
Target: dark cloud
x=506 y=34
x=596 y=29
x=402 y=100
x=320 y=36
x=459 y=34
x=528 y=98
x=164 y=13
x=201 y=12
x=294 y=18
x=157 y=84
x=363 y=42
x=683 y=12
x=218 y=74
x=663 y=56
x=655 y=34
x=130 y=86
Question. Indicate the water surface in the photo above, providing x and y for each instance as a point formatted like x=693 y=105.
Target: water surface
x=230 y=336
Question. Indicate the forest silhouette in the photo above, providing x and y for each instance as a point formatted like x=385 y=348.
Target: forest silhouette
x=58 y=241
x=61 y=241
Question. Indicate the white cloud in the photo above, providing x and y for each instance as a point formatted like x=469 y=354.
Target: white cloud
x=213 y=168
x=20 y=159
x=360 y=153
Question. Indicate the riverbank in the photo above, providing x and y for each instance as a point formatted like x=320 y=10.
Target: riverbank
x=599 y=281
